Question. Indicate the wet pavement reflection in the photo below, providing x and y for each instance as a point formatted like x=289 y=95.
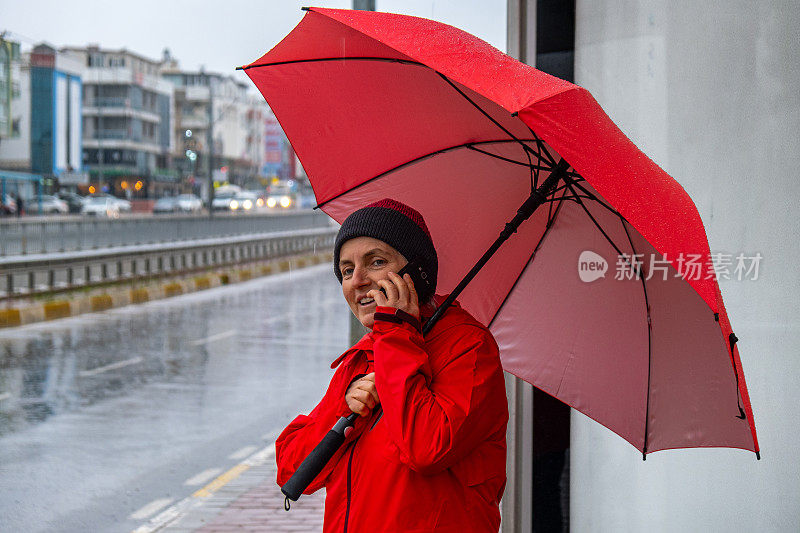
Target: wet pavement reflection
x=101 y=413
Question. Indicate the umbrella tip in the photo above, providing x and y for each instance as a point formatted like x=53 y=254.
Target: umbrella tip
x=644 y=456
x=305 y=8
x=758 y=455
x=515 y=114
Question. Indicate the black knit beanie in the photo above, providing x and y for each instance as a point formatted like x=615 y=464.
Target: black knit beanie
x=399 y=226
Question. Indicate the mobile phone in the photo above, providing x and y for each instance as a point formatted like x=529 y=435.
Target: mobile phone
x=420 y=278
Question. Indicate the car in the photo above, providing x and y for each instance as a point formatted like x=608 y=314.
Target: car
x=284 y=201
x=222 y=201
x=168 y=204
x=74 y=200
x=123 y=205
x=8 y=206
x=49 y=204
x=189 y=203
x=281 y=196
x=244 y=201
x=100 y=206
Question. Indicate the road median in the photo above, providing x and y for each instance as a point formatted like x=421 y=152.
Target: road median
x=27 y=311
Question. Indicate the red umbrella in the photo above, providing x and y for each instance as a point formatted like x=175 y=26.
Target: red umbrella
x=379 y=105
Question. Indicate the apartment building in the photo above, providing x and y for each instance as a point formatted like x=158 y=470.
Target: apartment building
x=127 y=122
x=44 y=139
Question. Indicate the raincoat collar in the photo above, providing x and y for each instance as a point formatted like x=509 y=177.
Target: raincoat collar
x=364 y=344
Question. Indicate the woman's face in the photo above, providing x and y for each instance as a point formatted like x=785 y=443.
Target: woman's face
x=364 y=261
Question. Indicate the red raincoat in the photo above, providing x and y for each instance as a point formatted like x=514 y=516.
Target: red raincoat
x=435 y=459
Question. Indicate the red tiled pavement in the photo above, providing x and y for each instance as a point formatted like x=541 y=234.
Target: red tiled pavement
x=260 y=509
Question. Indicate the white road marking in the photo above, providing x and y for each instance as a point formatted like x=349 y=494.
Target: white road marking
x=279 y=318
x=305 y=342
x=150 y=509
x=197 y=499
x=261 y=456
x=5 y=396
x=203 y=477
x=291 y=316
x=213 y=338
x=271 y=436
x=112 y=366
x=244 y=452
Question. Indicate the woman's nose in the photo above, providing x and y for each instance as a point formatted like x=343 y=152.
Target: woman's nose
x=360 y=276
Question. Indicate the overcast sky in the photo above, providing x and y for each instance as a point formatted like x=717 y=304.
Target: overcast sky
x=219 y=35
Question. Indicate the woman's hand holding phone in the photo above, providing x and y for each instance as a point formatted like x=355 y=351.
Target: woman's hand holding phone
x=398 y=292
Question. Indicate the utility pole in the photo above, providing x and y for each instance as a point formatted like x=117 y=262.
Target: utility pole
x=210 y=149
x=357 y=330
x=99 y=133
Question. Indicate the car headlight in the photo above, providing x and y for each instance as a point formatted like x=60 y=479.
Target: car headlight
x=248 y=204
x=260 y=202
x=234 y=205
x=271 y=202
x=286 y=201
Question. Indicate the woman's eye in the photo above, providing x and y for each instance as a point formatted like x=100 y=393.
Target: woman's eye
x=378 y=262
x=347 y=272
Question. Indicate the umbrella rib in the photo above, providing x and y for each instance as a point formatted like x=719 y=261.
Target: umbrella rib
x=524 y=146
x=514 y=161
x=649 y=343
x=644 y=286
x=326 y=59
x=541 y=146
x=551 y=218
x=596 y=199
x=594 y=221
x=415 y=160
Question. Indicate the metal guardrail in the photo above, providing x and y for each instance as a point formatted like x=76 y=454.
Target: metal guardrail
x=39 y=235
x=40 y=273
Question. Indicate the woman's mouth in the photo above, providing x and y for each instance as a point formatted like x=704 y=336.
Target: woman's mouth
x=366 y=301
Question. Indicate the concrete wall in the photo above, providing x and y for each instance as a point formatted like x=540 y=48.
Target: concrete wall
x=710 y=91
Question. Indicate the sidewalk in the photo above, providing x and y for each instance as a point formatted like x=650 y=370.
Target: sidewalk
x=246 y=498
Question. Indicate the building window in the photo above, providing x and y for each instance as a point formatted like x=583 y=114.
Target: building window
x=96 y=60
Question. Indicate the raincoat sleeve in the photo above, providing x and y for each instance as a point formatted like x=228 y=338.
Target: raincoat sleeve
x=440 y=408
x=306 y=431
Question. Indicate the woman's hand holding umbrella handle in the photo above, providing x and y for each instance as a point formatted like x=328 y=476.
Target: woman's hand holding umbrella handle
x=362 y=396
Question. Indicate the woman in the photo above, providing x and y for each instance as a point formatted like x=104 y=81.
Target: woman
x=428 y=451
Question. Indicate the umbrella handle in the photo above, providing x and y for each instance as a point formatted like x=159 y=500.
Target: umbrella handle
x=313 y=464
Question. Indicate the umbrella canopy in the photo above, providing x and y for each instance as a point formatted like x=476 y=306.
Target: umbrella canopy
x=379 y=105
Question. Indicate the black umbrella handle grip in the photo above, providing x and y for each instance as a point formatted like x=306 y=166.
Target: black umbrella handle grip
x=313 y=464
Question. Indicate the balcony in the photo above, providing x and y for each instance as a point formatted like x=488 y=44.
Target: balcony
x=120 y=108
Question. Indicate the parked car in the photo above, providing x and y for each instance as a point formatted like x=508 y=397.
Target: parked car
x=168 y=204
x=100 y=206
x=123 y=205
x=8 y=206
x=49 y=204
x=189 y=203
x=74 y=200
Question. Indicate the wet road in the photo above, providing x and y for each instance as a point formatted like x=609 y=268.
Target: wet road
x=105 y=419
